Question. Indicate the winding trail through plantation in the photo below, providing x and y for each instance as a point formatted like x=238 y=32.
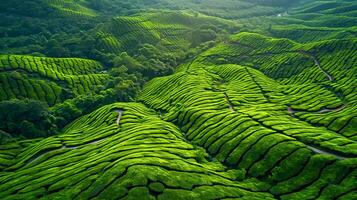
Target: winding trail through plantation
x=320 y=151
x=230 y=105
x=120 y=113
x=318 y=64
x=321 y=111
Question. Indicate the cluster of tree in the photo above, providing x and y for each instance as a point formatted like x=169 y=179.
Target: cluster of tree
x=65 y=37
x=25 y=7
x=32 y=118
x=204 y=34
x=121 y=87
x=127 y=78
x=147 y=60
x=28 y=118
x=57 y=37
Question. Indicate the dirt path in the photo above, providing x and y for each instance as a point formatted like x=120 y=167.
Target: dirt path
x=230 y=105
x=36 y=157
x=320 y=151
x=326 y=110
x=322 y=111
x=120 y=113
x=318 y=64
x=316 y=61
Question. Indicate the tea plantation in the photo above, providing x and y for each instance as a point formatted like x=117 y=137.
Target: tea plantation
x=181 y=100
x=46 y=79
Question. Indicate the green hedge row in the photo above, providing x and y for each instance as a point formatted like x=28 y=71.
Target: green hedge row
x=45 y=78
x=145 y=157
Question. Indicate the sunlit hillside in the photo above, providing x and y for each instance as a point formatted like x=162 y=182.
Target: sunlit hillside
x=186 y=99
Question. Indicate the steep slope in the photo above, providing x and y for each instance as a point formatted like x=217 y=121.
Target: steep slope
x=71 y=8
x=325 y=68
x=242 y=118
x=254 y=142
x=318 y=20
x=167 y=29
x=51 y=80
x=141 y=158
x=264 y=115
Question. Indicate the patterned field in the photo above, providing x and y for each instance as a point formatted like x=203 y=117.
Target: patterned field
x=46 y=79
x=209 y=131
x=268 y=112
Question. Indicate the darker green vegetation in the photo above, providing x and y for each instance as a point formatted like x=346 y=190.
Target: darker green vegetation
x=28 y=118
x=26 y=8
x=117 y=63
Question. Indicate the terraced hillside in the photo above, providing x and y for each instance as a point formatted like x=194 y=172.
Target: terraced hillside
x=213 y=131
x=268 y=112
x=139 y=156
x=326 y=67
x=172 y=30
x=311 y=21
x=223 y=8
x=71 y=8
x=51 y=80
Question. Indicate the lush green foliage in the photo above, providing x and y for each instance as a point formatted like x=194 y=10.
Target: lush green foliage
x=143 y=158
x=26 y=118
x=48 y=79
x=251 y=100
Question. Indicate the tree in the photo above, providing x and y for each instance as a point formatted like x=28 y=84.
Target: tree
x=129 y=62
x=5 y=137
x=202 y=35
x=28 y=118
x=65 y=113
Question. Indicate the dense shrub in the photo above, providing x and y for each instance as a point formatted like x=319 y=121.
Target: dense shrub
x=28 y=118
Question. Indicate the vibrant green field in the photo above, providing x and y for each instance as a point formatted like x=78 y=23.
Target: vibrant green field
x=172 y=30
x=212 y=131
x=47 y=79
x=224 y=100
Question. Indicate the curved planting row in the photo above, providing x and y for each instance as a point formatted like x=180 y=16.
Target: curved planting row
x=45 y=78
x=20 y=86
x=258 y=138
x=142 y=158
x=315 y=77
x=241 y=118
x=148 y=30
x=71 y=8
x=8 y=152
x=171 y=29
x=342 y=119
x=316 y=21
x=305 y=34
x=284 y=59
x=108 y=42
x=70 y=66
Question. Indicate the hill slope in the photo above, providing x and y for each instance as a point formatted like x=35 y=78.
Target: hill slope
x=225 y=128
x=268 y=112
x=51 y=80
